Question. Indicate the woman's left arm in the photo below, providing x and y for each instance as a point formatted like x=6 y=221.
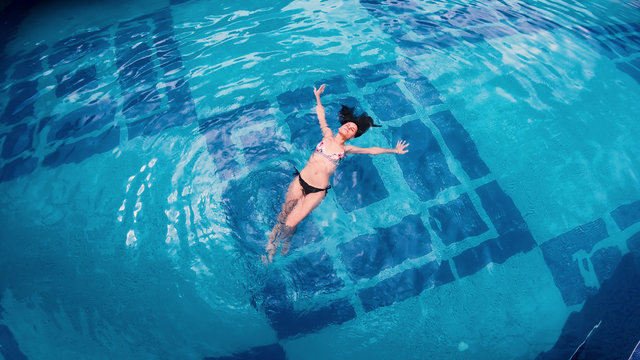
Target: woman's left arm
x=399 y=149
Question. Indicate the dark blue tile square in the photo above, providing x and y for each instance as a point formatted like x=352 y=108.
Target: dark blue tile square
x=460 y=143
x=84 y=148
x=218 y=129
x=367 y=255
x=503 y=213
x=262 y=145
x=21 y=98
x=167 y=53
x=311 y=320
x=456 y=220
x=424 y=167
x=132 y=32
x=26 y=69
x=305 y=130
x=357 y=183
x=334 y=85
x=629 y=70
x=388 y=103
x=75 y=47
x=559 y=255
x=424 y=92
x=373 y=73
x=313 y=274
x=84 y=120
x=253 y=202
x=135 y=67
x=299 y=100
x=17 y=168
x=70 y=82
x=140 y=104
x=605 y=261
x=626 y=215
x=19 y=140
x=633 y=242
x=268 y=352
x=9 y=347
x=307 y=232
x=404 y=285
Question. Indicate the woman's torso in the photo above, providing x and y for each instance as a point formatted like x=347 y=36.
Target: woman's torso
x=322 y=163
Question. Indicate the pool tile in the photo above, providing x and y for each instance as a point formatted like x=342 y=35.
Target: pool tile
x=140 y=104
x=252 y=203
x=388 y=103
x=423 y=91
x=84 y=148
x=17 y=168
x=159 y=122
x=357 y=183
x=298 y=100
x=21 y=98
x=424 y=167
x=367 y=255
x=311 y=275
x=267 y=352
x=605 y=261
x=131 y=32
x=28 y=68
x=559 y=256
x=334 y=85
x=167 y=53
x=514 y=236
x=75 y=47
x=9 y=347
x=135 y=67
x=501 y=210
x=626 y=215
x=460 y=144
x=180 y=101
x=633 y=242
x=70 y=82
x=373 y=73
x=291 y=323
x=456 y=220
x=304 y=130
x=217 y=131
x=496 y=250
x=629 y=70
x=307 y=232
x=20 y=139
x=404 y=285
x=262 y=145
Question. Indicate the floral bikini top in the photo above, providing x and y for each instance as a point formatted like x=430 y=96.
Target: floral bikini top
x=334 y=158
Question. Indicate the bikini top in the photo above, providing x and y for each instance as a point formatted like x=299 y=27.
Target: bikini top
x=334 y=158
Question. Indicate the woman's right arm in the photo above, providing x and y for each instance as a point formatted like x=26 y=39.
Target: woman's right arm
x=326 y=132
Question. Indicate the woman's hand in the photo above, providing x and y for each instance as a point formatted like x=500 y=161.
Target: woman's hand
x=319 y=91
x=400 y=147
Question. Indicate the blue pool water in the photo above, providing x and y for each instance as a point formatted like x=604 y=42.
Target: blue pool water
x=146 y=148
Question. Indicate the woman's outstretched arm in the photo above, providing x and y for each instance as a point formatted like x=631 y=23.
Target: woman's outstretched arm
x=326 y=132
x=399 y=149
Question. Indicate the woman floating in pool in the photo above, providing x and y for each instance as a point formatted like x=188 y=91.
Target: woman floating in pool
x=310 y=186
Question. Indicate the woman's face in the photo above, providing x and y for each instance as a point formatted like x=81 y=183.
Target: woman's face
x=348 y=130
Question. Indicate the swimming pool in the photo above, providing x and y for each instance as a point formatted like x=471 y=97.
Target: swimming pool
x=147 y=146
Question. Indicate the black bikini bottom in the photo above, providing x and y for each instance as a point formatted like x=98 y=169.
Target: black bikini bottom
x=308 y=189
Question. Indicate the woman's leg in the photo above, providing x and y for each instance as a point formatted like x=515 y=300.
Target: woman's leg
x=303 y=208
x=294 y=194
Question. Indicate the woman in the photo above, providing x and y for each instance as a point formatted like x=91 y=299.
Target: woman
x=310 y=186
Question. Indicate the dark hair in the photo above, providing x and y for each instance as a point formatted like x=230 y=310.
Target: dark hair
x=363 y=122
